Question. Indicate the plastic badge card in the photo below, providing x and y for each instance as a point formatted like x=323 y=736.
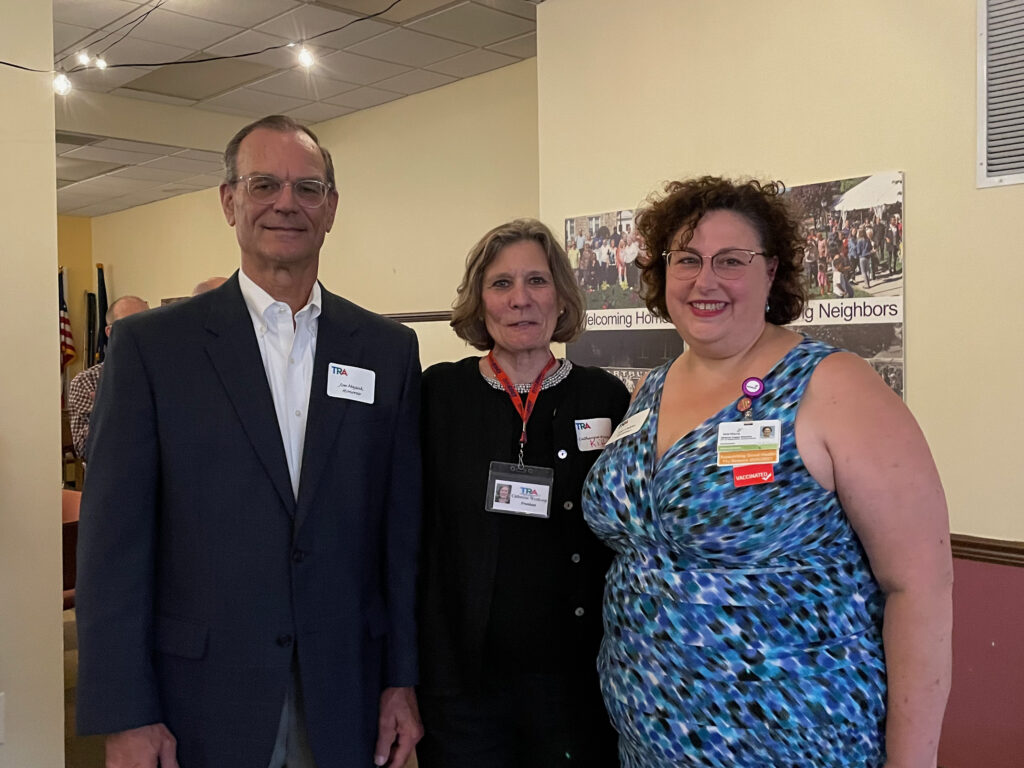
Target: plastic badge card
x=519 y=489
x=749 y=442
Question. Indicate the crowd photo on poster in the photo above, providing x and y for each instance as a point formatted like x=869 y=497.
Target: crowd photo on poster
x=853 y=268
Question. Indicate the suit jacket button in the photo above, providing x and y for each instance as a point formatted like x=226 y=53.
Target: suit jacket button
x=284 y=640
x=298 y=556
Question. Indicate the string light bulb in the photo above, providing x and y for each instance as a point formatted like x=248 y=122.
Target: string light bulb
x=83 y=58
x=306 y=57
x=100 y=63
x=61 y=84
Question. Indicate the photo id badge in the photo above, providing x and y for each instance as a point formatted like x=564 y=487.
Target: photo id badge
x=519 y=490
x=749 y=442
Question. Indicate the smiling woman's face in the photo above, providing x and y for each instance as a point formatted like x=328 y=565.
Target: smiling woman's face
x=715 y=315
x=521 y=304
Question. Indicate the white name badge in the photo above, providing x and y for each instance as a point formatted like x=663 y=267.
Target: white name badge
x=350 y=383
x=631 y=425
x=519 y=490
x=749 y=442
x=592 y=434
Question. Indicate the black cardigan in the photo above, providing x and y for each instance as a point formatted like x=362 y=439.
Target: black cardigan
x=466 y=424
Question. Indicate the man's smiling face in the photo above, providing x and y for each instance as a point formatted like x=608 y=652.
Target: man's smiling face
x=282 y=233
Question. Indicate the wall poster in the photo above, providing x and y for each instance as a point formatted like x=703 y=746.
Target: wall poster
x=853 y=267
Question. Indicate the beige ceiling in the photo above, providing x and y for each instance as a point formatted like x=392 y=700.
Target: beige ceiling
x=416 y=46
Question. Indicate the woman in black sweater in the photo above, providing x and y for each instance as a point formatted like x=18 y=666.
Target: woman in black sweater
x=511 y=576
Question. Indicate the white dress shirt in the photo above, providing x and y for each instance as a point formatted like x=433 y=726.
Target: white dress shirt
x=286 y=345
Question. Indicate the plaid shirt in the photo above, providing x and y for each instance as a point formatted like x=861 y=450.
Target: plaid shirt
x=81 y=394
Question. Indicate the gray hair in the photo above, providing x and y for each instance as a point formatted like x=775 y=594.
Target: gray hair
x=281 y=124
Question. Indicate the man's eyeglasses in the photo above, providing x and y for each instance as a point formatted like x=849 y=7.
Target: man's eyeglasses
x=265 y=189
x=729 y=264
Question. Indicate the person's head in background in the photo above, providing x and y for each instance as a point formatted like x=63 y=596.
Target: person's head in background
x=208 y=285
x=122 y=307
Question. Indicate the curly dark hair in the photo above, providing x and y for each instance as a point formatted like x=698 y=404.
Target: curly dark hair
x=681 y=206
x=468 y=310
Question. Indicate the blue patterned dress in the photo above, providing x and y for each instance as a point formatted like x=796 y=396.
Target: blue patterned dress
x=742 y=625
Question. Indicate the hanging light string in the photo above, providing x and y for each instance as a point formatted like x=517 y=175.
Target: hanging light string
x=134 y=23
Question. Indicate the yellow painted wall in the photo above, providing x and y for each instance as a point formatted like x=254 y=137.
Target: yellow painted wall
x=31 y=668
x=420 y=180
x=74 y=253
x=630 y=94
x=163 y=249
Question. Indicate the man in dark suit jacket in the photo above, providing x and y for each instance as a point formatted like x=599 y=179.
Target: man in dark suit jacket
x=247 y=571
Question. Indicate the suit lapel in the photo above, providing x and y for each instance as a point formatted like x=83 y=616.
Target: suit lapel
x=337 y=341
x=235 y=354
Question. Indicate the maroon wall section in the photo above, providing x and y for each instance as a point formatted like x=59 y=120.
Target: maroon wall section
x=984 y=725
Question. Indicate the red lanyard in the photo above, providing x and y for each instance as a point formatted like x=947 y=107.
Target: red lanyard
x=524 y=411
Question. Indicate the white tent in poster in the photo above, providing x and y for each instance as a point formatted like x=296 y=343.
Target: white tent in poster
x=874 y=192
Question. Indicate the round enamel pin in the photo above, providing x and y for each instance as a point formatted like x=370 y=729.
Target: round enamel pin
x=753 y=387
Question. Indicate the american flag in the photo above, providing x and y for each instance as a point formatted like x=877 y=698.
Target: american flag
x=67 y=342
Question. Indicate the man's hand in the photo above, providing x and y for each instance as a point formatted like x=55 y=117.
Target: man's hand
x=146 y=747
x=398 y=728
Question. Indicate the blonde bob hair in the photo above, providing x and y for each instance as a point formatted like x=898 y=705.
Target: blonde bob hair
x=468 y=309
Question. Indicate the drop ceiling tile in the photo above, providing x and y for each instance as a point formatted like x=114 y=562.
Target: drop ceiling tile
x=137 y=146
x=362 y=98
x=522 y=8
x=250 y=41
x=473 y=63
x=405 y=10
x=63 y=183
x=102 y=155
x=203 y=181
x=187 y=31
x=143 y=52
x=177 y=188
x=318 y=112
x=146 y=197
x=77 y=139
x=149 y=173
x=202 y=155
x=175 y=163
x=70 y=198
x=357 y=69
x=248 y=114
x=415 y=81
x=74 y=169
x=404 y=46
x=254 y=102
x=105 y=80
x=309 y=20
x=524 y=47
x=66 y=35
x=91 y=13
x=362 y=30
x=115 y=186
x=202 y=80
x=300 y=83
x=100 y=209
x=132 y=93
x=240 y=14
x=63 y=147
x=473 y=24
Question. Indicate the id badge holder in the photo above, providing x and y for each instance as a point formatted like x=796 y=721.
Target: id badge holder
x=519 y=489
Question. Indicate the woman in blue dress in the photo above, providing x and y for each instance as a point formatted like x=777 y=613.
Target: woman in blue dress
x=778 y=597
